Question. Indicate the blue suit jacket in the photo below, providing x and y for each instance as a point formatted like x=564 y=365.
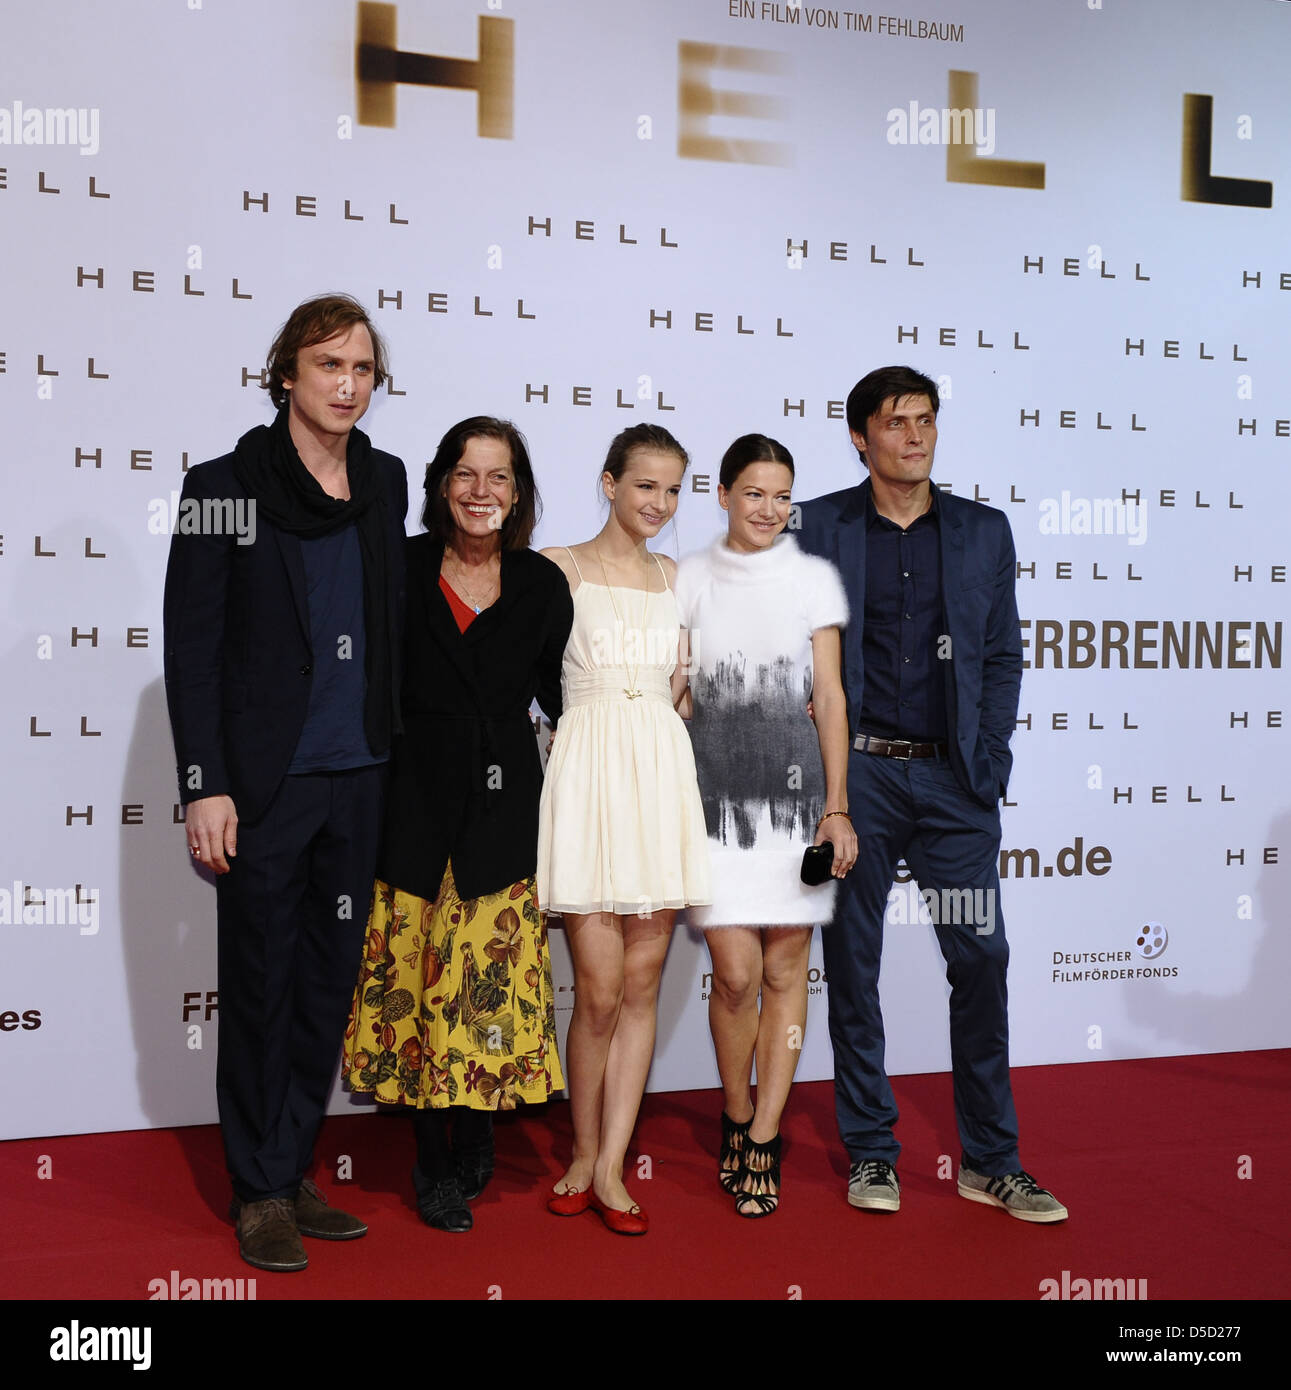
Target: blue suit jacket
x=978 y=574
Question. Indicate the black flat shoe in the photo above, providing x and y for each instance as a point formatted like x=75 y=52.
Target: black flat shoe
x=474 y=1167
x=441 y=1204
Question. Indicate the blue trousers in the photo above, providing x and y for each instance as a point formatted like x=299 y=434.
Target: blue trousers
x=916 y=810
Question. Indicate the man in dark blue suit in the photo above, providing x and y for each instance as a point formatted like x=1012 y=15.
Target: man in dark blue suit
x=282 y=613
x=932 y=666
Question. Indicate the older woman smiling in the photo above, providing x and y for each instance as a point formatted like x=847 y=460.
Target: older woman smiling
x=454 y=1011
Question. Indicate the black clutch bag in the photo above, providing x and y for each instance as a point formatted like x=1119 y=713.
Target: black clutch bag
x=817 y=862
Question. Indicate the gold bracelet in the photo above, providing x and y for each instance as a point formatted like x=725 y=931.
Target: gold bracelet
x=827 y=815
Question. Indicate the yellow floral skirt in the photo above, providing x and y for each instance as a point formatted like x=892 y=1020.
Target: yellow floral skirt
x=454 y=1004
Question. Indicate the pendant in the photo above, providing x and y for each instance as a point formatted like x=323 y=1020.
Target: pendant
x=632 y=694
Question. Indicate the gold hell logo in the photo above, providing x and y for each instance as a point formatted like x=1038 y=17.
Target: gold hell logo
x=381 y=67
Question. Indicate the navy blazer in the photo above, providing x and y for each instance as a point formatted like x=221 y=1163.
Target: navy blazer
x=978 y=577
x=238 y=651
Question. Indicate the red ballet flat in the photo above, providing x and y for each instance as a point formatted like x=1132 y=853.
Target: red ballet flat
x=571 y=1202
x=633 y=1222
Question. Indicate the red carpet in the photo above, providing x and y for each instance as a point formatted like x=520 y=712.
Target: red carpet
x=1147 y=1155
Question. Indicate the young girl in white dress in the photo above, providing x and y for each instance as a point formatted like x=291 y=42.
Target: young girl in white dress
x=763 y=621
x=621 y=840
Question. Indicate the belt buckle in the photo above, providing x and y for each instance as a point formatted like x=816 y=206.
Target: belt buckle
x=907 y=744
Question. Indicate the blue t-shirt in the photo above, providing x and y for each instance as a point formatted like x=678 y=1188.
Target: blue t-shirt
x=333 y=738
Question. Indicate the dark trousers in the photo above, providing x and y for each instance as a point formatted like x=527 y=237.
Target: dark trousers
x=293 y=909
x=916 y=810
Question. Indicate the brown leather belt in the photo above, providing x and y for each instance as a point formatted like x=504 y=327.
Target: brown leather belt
x=897 y=748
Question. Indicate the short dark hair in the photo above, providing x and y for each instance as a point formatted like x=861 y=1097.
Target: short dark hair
x=866 y=398
x=653 y=437
x=517 y=529
x=315 y=321
x=751 y=448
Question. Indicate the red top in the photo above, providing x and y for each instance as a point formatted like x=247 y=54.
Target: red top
x=463 y=614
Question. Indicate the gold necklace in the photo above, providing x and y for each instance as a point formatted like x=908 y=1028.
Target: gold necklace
x=475 y=603
x=630 y=690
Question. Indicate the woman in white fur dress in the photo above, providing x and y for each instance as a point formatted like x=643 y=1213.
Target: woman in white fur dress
x=764 y=622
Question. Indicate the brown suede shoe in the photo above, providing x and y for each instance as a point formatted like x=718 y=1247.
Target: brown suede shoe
x=315 y=1218
x=268 y=1238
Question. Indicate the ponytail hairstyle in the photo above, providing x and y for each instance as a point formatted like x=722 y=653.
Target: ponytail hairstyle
x=752 y=448
x=651 y=437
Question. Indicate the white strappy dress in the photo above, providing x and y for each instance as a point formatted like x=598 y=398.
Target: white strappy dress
x=621 y=826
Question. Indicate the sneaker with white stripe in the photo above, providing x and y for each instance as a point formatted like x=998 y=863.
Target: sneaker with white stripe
x=872 y=1185
x=1018 y=1193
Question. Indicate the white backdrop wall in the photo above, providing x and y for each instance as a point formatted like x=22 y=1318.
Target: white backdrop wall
x=579 y=246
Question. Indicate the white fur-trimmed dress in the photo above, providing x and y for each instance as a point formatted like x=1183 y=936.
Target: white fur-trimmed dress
x=751 y=618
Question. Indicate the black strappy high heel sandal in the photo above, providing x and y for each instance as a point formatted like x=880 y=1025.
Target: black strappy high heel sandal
x=760 y=1193
x=730 y=1162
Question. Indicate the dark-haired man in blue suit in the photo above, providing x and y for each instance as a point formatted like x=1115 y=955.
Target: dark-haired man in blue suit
x=932 y=666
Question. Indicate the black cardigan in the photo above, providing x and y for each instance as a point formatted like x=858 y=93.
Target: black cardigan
x=465 y=776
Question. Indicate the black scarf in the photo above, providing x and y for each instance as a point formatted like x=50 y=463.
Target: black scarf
x=288 y=495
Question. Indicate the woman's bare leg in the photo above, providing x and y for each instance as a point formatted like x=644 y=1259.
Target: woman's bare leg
x=596 y=945
x=784 y=1019
x=733 y=1012
x=645 y=944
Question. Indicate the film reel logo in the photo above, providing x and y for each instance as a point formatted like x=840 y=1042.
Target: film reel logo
x=1152 y=940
